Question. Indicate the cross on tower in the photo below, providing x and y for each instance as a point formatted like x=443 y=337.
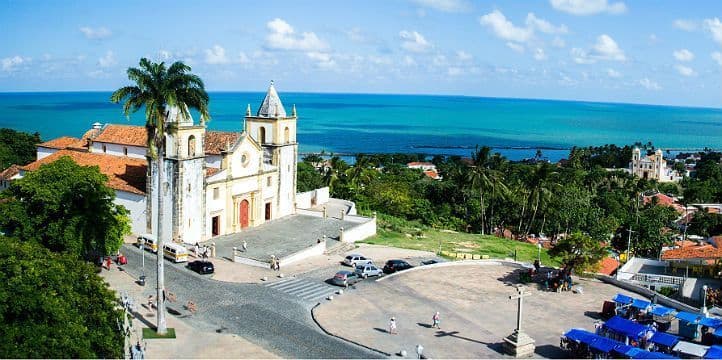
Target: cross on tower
x=521 y=294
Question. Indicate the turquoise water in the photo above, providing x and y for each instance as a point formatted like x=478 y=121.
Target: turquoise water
x=351 y=123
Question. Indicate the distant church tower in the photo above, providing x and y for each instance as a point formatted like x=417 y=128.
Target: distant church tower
x=184 y=172
x=276 y=133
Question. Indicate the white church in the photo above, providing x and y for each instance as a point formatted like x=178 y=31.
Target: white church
x=218 y=182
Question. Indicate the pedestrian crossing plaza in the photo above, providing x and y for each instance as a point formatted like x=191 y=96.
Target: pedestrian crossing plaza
x=305 y=289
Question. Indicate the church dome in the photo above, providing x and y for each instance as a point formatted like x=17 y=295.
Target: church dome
x=271 y=107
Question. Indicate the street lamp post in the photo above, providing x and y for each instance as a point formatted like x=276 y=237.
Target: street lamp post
x=704 y=300
x=539 y=246
x=629 y=242
x=142 y=256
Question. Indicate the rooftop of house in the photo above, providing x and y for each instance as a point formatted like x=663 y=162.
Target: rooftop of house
x=432 y=174
x=124 y=173
x=419 y=163
x=705 y=251
x=11 y=171
x=664 y=200
x=62 y=143
x=123 y=135
x=608 y=266
x=218 y=141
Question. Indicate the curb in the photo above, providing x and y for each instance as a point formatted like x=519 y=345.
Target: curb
x=313 y=316
x=485 y=262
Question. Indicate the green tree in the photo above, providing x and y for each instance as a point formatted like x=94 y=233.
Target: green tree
x=159 y=89
x=66 y=208
x=54 y=306
x=652 y=231
x=17 y=147
x=308 y=178
x=579 y=252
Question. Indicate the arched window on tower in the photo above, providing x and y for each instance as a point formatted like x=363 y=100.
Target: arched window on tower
x=191 y=146
x=286 y=135
x=262 y=135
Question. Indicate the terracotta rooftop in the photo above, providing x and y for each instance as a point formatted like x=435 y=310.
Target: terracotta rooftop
x=217 y=141
x=693 y=252
x=418 y=163
x=61 y=143
x=608 y=266
x=124 y=173
x=123 y=135
x=664 y=200
x=212 y=171
x=432 y=174
x=8 y=173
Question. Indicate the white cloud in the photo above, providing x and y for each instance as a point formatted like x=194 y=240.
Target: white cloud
x=216 y=55
x=649 y=84
x=714 y=26
x=516 y=47
x=463 y=55
x=533 y=22
x=604 y=49
x=439 y=60
x=323 y=60
x=504 y=28
x=684 y=24
x=613 y=73
x=242 y=58
x=685 y=70
x=413 y=41
x=539 y=54
x=282 y=36
x=717 y=56
x=588 y=7
x=558 y=42
x=356 y=35
x=683 y=55
x=454 y=71
x=95 y=33
x=108 y=60
x=10 y=64
x=409 y=61
x=445 y=5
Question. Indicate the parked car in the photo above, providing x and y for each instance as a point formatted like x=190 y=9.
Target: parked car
x=201 y=267
x=367 y=270
x=345 y=278
x=393 y=266
x=354 y=260
x=430 y=262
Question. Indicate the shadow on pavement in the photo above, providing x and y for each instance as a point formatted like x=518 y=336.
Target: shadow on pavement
x=593 y=314
x=382 y=330
x=550 y=352
x=454 y=334
x=428 y=326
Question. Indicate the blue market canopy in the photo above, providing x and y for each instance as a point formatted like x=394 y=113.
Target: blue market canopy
x=625 y=327
x=662 y=338
x=660 y=310
x=595 y=342
x=652 y=355
x=717 y=332
x=711 y=322
x=624 y=299
x=603 y=344
x=689 y=317
x=579 y=335
x=714 y=352
x=640 y=304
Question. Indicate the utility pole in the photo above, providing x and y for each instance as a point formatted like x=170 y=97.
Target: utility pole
x=629 y=242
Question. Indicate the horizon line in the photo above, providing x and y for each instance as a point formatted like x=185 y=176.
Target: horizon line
x=708 y=107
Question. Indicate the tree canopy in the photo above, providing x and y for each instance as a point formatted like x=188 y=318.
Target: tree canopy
x=17 y=147
x=66 y=208
x=54 y=306
x=579 y=252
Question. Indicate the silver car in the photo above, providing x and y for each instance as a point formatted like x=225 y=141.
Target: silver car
x=367 y=270
x=354 y=260
x=345 y=278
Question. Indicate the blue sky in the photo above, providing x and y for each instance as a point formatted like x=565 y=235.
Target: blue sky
x=645 y=51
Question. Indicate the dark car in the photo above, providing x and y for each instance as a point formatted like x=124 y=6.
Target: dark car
x=430 y=262
x=201 y=267
x=393 y=266
x=345 y=278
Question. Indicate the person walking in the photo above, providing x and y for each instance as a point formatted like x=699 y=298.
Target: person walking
x=108 y=262
x=245 y=246
x=437 y=321
x=392 y=326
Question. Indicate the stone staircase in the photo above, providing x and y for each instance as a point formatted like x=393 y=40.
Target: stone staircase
x=335 y=247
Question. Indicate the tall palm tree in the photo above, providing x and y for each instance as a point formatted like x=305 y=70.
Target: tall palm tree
x=159 y=88
x=483 y=177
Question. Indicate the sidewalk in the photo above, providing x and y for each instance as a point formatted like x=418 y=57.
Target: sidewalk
x=189 y=342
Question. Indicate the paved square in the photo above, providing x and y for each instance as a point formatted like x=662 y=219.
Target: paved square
x=476 y=313
x=280 y=237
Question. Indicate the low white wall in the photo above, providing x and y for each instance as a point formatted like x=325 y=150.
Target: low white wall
x=317 y=249
x=251 y=262
x=44 y=152
x=305 y=200
x=309 y=213
x=359 y=232
x=136 y=206
x=356 y=219
x=322 y=195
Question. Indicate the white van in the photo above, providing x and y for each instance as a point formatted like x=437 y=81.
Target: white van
x=147 y=242
x=174 y=252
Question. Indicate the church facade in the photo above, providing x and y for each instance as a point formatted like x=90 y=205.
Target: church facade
x=216 y=182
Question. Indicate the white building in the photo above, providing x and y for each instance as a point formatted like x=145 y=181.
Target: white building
x=652 y=167
x=218 y=182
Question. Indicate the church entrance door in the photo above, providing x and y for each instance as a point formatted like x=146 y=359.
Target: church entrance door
x=216 y=226
x=244 y=214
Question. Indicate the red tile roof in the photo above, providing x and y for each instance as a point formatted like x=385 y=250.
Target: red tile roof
x=123 y=134
x=8 y=173
x=61 y=143
x=432 y=174
x=664 y=200
x=212 y=171
x=418 y=163
x=124 y=173
x=608 y=266
x=693 y=252
x=217 y=141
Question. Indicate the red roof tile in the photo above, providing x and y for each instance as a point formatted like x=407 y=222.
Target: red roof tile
x=217 y=141
x=61 y=142
x=693 y=252
x=608 y=266
x=432 y=174
x=418 y=163
x=212 y=171
x=123 y=134
x=124 y=173
x=664 y=200
x=8 y=173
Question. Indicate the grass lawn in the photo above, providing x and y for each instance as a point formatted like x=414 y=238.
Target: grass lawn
x=494 y=247
x=149 y=333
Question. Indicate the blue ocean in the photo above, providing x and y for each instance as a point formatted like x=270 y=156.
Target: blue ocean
x=367 y=123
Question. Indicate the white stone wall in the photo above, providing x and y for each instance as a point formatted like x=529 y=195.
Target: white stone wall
x=44 y=152
x=213 y=161
x=136 y=206
x=191 y=215
x=287 y=175
x=167 y=203
x=136 y=152
x=254 y=127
